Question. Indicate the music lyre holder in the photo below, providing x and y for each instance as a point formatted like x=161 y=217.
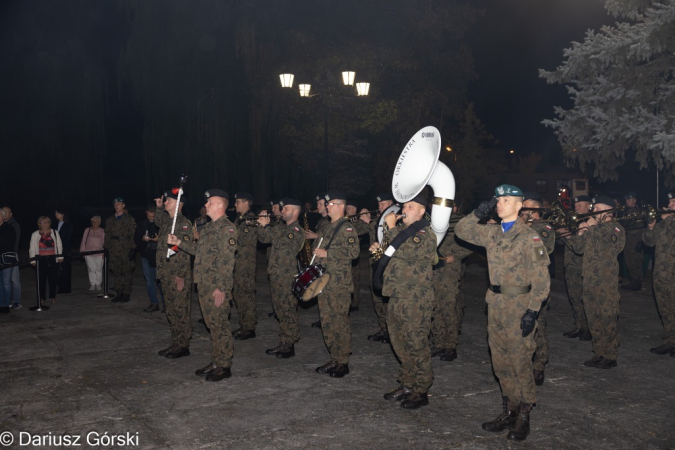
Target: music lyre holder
x=39 y=306
x=105 y=279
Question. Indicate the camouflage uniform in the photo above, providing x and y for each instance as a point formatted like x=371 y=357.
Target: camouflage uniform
x=335 y=299
x=573 y=263
x=119 y=241
x=213 y=269
x=408 y=282
x=663 y=237
x=633 y=249
x=379 y=305
x=322 y=223
x=447 y=285
x=178 y=309
x=361 y=228
x=515 y=258
x=601 y=245
x=540 y=337
x=244 y=272
x=287 y=241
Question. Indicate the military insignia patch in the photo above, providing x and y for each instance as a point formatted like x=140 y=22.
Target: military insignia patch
x=544 y=233
x=536 y=238
x=186 y=238
x=296 y=228
x=245 y=230
x=541 y=252
x=232 y=241
x=290 y=236
x=614 y=238
x=351 y=240
x=417 y=239
x=617 y=229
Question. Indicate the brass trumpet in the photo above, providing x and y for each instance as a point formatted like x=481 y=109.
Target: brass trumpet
x=376 y=254
x=254 y=222
x=355 y=217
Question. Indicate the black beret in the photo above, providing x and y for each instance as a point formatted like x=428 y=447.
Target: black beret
x=274 y=202
x=529 y=195
x=421 y=199
x=604 y=199
x=582 y=198
x=287 y=201
x=384 y=196
x=173 y=193
x=216 y=193
x=321 y=196
x=631 y=194
x=671 y=195
x=243 y=196
x=336 y=195
x=352 y=203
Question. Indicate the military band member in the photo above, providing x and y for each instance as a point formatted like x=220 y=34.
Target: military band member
x=533 y=219
x=384 y=201
x=213 y=272
x=632 y=251
x=320 y=225
x=408 y=283
x=244 y=269
x=600 y=240
x=339 y=246
x=662 y=235
x=361 y=229
x=519 y=283
x=287 y=240
x=175 y=274
x=119 y=242
x=448 y=274
x=573 y=264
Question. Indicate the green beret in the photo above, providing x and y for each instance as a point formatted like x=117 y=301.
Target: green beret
x=508 y=190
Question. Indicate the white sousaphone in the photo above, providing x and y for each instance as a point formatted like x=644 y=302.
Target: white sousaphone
x=419 y=166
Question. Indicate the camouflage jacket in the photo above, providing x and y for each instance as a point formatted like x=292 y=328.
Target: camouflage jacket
x=547 y=234
x=178 y=265
x=287 y=241
x=322 y=224
x=515 y=258
x=119 y=235
x=361 y=227
x=601 y=245
x=214 y=255
x=663 y=237
x=452 y=246
x=410 y=270
x=342 y=250
x=247 y=240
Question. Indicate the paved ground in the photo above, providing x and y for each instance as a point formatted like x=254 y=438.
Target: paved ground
x=89 y=366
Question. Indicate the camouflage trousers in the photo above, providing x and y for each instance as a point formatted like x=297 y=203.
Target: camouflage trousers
x=601 y=302
x=634 y=258
x=178 y=310
x=356 y=280
x=665 y=300
x=447 y=308
x=285 y=306
x=334 y=314
x=409 y=323
x=218 y=322
x=541 y=338
x=244 y=295
x=121 y=269
x=511 y=353
x=575 y=292
x=378 y=304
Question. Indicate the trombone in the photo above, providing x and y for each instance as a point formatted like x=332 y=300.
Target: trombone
x=355 y=217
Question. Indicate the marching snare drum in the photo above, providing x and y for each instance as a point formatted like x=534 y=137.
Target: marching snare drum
x=310 y=282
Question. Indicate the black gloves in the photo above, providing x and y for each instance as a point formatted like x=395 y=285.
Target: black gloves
x=132 y=254
x=485 y=208
x=528 y=321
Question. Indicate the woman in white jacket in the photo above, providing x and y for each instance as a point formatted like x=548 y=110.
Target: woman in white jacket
x=45 y=245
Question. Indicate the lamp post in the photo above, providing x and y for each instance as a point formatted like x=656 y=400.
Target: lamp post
x=305 y=90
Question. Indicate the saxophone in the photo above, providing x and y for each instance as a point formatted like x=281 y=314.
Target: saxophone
x=305 y=255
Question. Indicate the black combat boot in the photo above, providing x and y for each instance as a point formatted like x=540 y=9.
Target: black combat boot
x=287 y=351
x=206 y=369
x=662 y=349
x=606 y=363
x=538 y=377
x=218 y=374
x=522 y=427
x=435 y=351
x=275 y=350
x=339 y=371
x=326 y=368
x=398 y=394
x=415 y=400
x=244 y=335
x=585 y=335
x=449 y=355
x=573 y=334
x=167 y=350
x=506 y=419
x=179 y=352
x=118 y=297
x=593 y=362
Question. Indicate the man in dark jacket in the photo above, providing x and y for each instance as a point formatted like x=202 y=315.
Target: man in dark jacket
x=145 y=238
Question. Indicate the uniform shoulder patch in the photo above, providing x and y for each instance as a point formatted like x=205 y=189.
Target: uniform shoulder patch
x=540 y=253
x=417 y=239
x=613 y=238
x=233 y=241
x=544 y=233
x=291 y=235
x=186 y=238
x=246 y=230
x=548 y=226
x=536 y=238
x=351 y=240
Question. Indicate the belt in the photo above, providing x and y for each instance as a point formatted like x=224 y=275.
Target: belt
x=514 y=290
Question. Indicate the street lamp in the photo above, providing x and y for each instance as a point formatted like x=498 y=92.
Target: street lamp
x=362 y=89
x=304 y=89
x=286 y=80
x=348 y=78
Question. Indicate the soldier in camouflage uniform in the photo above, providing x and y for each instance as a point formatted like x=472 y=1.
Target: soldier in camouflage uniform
x=175 y=274
x=600 y=240
x=408 y=278
x=573 y=263
x=361 y=229
x=533 y=219
x=244 y=269
x=519 y=283
x=384 y=201
x=632 y=251
x=213 y=272
x=662 y=235
x=323 y=222
x=336 y=257
x=447 y=286
x=287 y=240
x=119 y=242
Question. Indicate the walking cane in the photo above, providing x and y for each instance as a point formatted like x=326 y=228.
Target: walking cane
x=39 y=306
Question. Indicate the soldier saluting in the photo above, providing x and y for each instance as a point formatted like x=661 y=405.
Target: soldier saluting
x=519 y=283
x=214 y=265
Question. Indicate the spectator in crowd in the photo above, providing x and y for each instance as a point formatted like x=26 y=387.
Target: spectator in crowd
x=45 y=244
x=16 y=276
x=65 y=230
x=145 y=238
x=7 y=242
x=92 y=240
